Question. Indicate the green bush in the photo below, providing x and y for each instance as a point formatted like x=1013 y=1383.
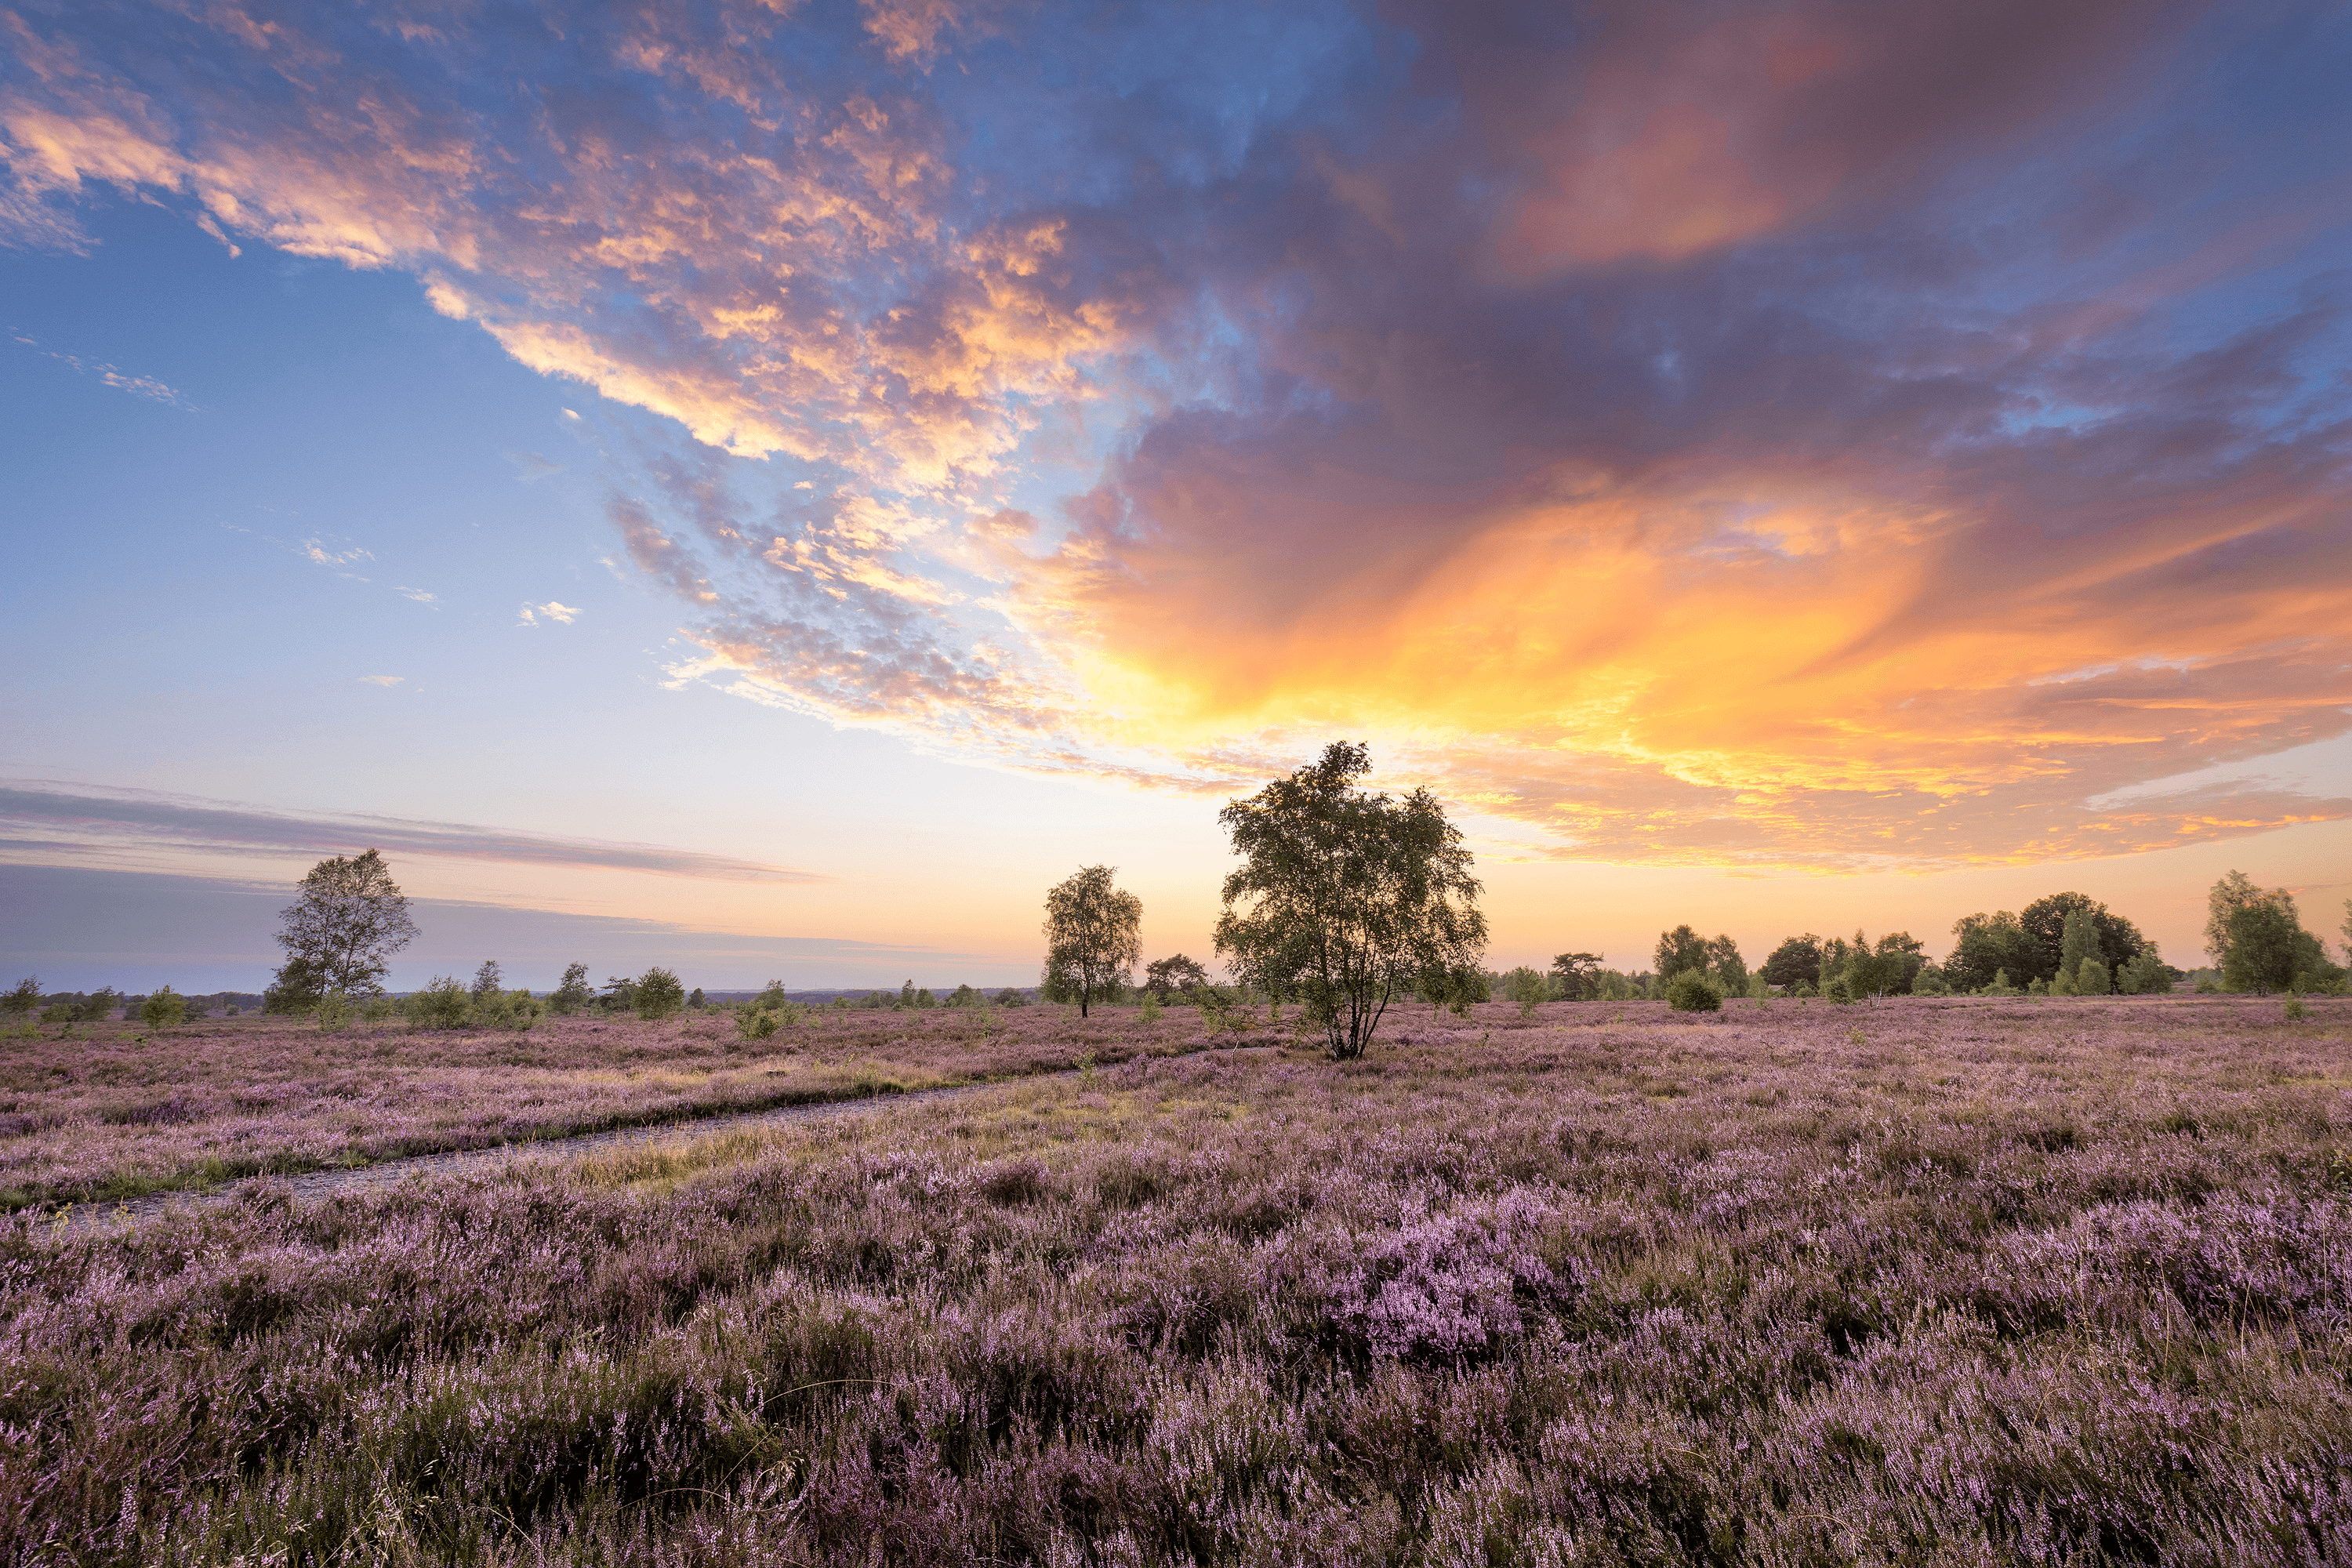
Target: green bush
x=1528 y=987
x=658 y=994
x=756 y=1026
x=333 y=1011
x=1690 y=991
x=167 y=1009
x=2092 y=979
x=444 y=1004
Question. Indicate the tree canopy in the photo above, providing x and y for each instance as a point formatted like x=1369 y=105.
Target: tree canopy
x=1346 y=898
x=2118 y=941
x=342 y=931
x=1094 y=936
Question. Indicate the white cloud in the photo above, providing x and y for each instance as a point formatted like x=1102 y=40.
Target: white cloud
x=145 y=386
x=530 y=466
x=554 y=610
x=383 y=679
x=419 y=594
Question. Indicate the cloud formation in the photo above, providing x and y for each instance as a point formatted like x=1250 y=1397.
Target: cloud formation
x=1799 y=433
x=84 y=818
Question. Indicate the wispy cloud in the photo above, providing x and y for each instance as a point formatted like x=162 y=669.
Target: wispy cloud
x=1805 y=432
x=145 y=386
x=89 y=819
x=419 y=594
x=554 y=610
x=387 y=680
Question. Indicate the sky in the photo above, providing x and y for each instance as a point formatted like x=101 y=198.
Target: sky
x=772 y=487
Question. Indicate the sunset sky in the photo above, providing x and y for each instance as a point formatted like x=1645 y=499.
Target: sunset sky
x=772 y=487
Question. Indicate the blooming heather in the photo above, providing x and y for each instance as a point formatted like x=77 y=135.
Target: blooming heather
x=1982 y=1282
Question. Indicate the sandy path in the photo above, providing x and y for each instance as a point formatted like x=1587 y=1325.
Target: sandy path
x=312 y=1185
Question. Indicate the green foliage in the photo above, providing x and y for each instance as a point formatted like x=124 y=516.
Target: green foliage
x=2037 y=987
x=2144 y=974
x=2078 y=940
x=2261 y=949
x=965 y=996
x=333 y=1011
x=442 y=1003
x=2110 y=939
x=1011 y=996
x=1986 y=943
x=924 y=998
x=2061 y=984
x=23 y=998
x=774 y=998
x=165 y=1009
x=620 y=994
x=1691 y=991
x=1345 y=897
x=658 y=994
x=1680 y=948
x=1728 y=968
x=1528 y=987
x=2294 y=1008
x=1578 y=976
x=2092 y=979
x=1167 y=977
x=574 y=995
x=99 y=1006
x=348 y=919
x=1839 y=990
x=1930 y=982
x=1149 y=1011
x=295 y=989
x=756 y=1025
x=1093 y=936
x=695 y=1001
x=1796 y=962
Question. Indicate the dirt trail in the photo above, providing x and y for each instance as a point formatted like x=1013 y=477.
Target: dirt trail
x=311 y=1185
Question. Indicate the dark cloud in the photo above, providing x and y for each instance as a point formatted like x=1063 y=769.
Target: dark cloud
x=140 y=816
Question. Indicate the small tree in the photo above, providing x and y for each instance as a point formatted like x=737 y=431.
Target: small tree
x=620 y=994
x=1680 y=948
x=2078 y=944
x=341 y=934
x=1796 y=962
x=2261 y=948
x=444 y=1004
x=658 y=994
x=1578 y=974
x=24 y=998
x=488 y=981
x=575 y=993
x=165 y=1009
x=1093 y=936
x=1011 y=996
x=695 y=1001
x=1344 y=897
x=1728 y=967
x=99 y=1005
x=2144 y=974
x=1528 y=987
x=1164 y=977
x=773 y=997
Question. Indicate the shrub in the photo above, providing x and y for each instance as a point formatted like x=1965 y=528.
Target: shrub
x=2000 y=985
x=334 y=1011
x=755 y=1025
x=1011 y=997
x=658 y=994
x=1690 y=991
x=2092 y=979
x=2143 y=974
x=1528 y=987
x=575 y=993
x=165 y=1010
x=444 y=1004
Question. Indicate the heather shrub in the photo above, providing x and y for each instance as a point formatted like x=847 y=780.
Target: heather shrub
x=657 y=994
x=442 y=1003
x=1691 y=991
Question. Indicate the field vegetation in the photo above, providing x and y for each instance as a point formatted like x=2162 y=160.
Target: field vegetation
x=100 y=1112
x=1943 y=1281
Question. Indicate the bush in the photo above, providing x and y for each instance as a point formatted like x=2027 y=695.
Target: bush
x=1690 y=991
x=658 y=995
x=1011 y=997
x=333 y=1011
x=2092 y=980
x=2143 y=974
x=1528 y=987
x=444 y=1004
x=165 y=1009
x=755 y=1025
x=575 y=993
